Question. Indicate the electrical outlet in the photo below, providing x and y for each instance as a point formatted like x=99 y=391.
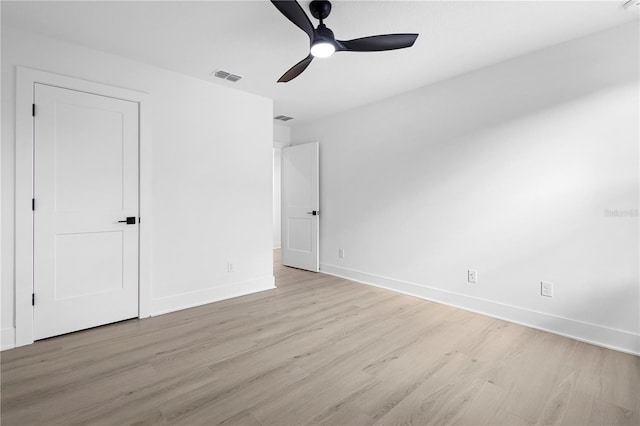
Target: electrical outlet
x=341 y=253
x=546 y=289
x=472 y=276
x=231 y=267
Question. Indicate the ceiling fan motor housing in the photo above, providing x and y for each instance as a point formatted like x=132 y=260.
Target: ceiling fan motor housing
x=323 y=35
x=320 y=9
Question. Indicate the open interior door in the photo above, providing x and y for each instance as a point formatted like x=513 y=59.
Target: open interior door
x=300 y=206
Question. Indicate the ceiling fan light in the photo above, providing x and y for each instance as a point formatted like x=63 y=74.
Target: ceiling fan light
x=322 y=49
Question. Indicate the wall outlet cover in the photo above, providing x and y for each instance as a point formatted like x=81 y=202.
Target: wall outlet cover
x=546 y=288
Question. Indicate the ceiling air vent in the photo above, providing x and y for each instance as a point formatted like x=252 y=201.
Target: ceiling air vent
x=226 y=75
x=283 y=118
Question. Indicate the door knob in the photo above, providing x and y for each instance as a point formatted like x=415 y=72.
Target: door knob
x=315 y=212
x=131 y=220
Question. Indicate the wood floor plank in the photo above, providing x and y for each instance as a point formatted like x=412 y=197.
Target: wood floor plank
x=317 y=350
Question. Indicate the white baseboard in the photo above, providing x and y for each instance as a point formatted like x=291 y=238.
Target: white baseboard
x=8 y=339
x=202 y=297
x=618 y=340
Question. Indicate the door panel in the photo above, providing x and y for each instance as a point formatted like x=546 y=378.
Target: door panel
x=95 y=136
x=85 y=182
x=300 y=199
x=300 y=234
x=88 y=263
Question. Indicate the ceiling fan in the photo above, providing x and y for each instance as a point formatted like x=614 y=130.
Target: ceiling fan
x=323 y=42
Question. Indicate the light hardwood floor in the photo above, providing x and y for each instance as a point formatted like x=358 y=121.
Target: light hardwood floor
x=318 y=350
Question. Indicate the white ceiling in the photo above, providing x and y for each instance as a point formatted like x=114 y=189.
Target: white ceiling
x=252 y=39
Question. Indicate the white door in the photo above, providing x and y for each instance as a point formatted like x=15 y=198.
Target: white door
x=85 y=184
x=300 y=206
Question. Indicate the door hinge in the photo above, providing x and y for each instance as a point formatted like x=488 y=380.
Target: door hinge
x=33 y=110
x=33 y=204
x=33 y=299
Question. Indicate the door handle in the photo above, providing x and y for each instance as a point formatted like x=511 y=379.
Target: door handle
x=315 y=212
x=131 y=220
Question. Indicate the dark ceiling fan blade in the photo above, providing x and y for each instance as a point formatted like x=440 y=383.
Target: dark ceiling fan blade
x=293 y=12
x=377 y=43
x=296 y=70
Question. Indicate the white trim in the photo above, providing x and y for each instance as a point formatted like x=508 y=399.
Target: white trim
x=26 y=80
x=202 y=297
x=619 y=340
x=146 y=216
x=277 y=245
x=8 y=339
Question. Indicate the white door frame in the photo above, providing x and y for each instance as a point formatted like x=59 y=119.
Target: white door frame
x=25 y=95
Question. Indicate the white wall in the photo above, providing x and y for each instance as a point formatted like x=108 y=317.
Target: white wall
x=508 y=170
x=281 y=139
x=211 y=189
x=281 y=135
